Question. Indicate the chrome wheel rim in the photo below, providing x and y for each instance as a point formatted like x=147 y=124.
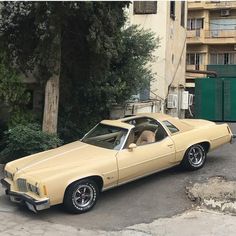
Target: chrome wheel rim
x=83 y=196
x=196 y=156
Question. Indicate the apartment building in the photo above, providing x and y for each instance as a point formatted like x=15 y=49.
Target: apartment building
x=168 y=19
x=211 y=39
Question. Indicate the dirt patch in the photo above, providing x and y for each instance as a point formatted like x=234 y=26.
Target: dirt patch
x=217 y=193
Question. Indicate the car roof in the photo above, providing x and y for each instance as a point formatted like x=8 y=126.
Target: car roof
x=162 y=117
x=157 y=116
x=117 y=123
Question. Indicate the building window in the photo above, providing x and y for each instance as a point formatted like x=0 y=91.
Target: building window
x=172 y=10
x=227 y=58
x=196 y=59
x=182 y=21
x=223 y=24
x=145 y=7
x=195 y=23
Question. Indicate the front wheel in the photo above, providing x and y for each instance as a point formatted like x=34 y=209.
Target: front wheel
x=81 y=196
x=194 y=158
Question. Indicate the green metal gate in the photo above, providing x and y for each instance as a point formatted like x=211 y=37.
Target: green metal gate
x=229 y=88
x=215 y=99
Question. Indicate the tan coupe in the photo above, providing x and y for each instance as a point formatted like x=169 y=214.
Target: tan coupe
x=113 y=153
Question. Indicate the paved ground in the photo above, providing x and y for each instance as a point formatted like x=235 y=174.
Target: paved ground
x=194 y=223
x=143 y=201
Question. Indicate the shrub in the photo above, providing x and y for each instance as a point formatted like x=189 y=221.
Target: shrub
x=23 y=140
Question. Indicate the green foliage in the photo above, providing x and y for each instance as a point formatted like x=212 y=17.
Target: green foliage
x=21 y=117
x=102 y=62
x=12 y=90
x=88 y=90
x=130 y=72
x=23 y=140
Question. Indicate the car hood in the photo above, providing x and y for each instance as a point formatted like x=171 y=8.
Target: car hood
x=71 y=155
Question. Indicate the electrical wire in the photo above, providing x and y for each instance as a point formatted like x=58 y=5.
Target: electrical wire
x=177 y=67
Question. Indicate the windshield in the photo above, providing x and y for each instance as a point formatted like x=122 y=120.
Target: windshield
x=106 y=136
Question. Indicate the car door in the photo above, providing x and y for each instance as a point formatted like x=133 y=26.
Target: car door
x=145 y=159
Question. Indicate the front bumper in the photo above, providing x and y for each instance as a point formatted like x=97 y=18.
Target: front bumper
x=32 y=204
x=233 y=138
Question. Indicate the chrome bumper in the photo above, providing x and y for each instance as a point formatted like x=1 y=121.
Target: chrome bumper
x=233 y=138
x=32 y=204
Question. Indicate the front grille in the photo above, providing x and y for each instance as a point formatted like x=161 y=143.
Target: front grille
x=22 y=186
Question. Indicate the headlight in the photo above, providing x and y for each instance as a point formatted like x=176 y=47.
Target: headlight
x=33 y=189
x=8 y=175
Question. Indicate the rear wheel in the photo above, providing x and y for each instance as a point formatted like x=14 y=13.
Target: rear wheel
x=81 y=196
x=194 y=158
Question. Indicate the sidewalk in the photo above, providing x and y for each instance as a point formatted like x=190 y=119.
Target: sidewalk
x=194 y=223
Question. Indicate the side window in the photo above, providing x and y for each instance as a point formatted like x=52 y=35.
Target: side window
x=146 y=131
x=160 y=133
x=170 y=127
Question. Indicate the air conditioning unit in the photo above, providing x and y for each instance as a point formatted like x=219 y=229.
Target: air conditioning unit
x=184 y=100
x=172 y=101
x=225 y=12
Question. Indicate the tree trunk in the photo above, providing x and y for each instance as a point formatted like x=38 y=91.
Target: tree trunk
x=50 y=115
x=51 y=103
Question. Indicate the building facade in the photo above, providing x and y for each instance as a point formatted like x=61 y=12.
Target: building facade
x=211 y=39
x=168 y=20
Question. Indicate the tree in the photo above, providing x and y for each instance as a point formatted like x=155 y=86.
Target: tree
x=31 y=36
x=92 y=88
x=32 y=33
x=12 y=90
x=82 y=48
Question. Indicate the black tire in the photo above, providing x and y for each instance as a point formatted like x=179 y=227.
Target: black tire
x=81 y=196
x=194 y=158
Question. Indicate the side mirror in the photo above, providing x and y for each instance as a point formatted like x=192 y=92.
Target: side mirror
x=132 y=146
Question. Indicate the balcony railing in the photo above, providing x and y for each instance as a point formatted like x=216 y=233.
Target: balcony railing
x=195 y=33
x=211 y=36
x=211 y=4
x=196 y=67
x=220 y=4
x=229 y=33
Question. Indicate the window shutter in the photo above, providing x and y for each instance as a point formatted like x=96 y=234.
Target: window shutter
x=145 y=7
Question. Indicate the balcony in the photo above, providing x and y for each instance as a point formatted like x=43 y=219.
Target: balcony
x=196 y=67
x=220 y=4
x=197 y=5
x=195 y=36
x=211 y=36
x=229 y=33
x=191 y=76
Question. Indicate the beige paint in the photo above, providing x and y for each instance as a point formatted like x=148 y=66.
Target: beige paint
x=56 y=169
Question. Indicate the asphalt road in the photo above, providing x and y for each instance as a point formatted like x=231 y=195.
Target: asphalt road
x=142 y=201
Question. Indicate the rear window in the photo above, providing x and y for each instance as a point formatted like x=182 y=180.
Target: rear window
x=173 y=129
